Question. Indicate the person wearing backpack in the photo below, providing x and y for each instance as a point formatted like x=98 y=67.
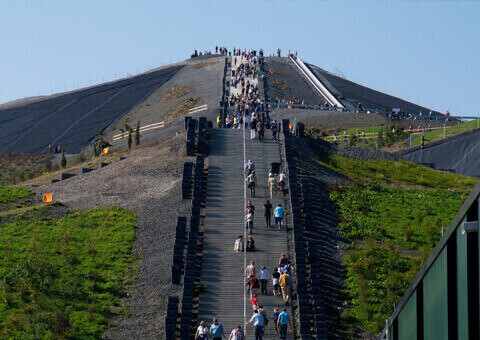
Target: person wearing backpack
x=254 y=284
x=250 y=244
x=251 y=183
x=260 y=130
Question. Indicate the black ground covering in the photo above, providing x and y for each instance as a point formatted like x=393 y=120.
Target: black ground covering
x=459 y=153
x=73 y=119
x=369 y=98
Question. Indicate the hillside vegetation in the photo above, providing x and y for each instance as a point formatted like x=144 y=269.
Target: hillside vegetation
x=62 y=272
x=449 y=131
x=393 y=215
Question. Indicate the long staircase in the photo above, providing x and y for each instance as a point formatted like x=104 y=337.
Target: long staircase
x=223 y=269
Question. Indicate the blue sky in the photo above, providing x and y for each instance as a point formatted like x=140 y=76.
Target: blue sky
x=426 y=52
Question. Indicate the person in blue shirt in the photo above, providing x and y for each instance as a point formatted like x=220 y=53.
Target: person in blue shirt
x=283 y=321
x=216 y=330
x=279 y=212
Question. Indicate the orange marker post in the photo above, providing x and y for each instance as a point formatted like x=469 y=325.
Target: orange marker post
x=47 y=198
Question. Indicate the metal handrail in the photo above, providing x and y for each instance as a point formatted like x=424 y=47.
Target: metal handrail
x=316 y=82
x=356 y=110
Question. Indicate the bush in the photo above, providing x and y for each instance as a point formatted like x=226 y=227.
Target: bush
x=64 y=160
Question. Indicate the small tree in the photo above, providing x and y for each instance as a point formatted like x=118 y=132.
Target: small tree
x=128 y=129
x=99 y=144
x=353 y=140
x=130 y=138
x=64 y=159
x=137 y=134
x=380 y=138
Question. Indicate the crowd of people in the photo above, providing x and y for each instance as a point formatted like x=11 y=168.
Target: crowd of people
x=281 y=280
x=245 y=98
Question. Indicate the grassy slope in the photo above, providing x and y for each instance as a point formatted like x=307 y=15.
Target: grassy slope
x=402 y=173
x=449 y=131
x=59 y=276
x=15 y=168
x=392 y=227
x=10 y=194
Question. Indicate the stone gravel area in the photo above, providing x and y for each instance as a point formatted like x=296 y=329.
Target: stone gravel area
x=367 y=154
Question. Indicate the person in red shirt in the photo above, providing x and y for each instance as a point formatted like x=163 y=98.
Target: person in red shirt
x=255 y=302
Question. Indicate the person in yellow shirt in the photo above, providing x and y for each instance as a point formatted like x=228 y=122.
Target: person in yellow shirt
x=284 y=283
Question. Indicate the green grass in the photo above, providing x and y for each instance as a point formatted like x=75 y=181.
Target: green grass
x=401 y=172
x=60 y=276
x=366 y=129
x=10 y=195
x=393 y=215
x=392 y=230
x=449 y=131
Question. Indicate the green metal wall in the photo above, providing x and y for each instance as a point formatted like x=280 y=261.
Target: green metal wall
x=462 y=285
x=435 y=300
x=407 y=319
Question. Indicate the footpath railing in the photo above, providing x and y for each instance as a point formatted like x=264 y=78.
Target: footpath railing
x=317 y=84
x=311 y=306
x=393 y=115
x=373 y=135
x=142 y=129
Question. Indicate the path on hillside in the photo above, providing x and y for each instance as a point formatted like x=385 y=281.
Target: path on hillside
x=222 y=268
x=238 y=89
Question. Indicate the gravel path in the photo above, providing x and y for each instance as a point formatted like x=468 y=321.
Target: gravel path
x=345 y=120
x=367 y=154
x=148 y=183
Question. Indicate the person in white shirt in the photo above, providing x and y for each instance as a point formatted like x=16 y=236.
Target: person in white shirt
x=202 y=331
x=257 y=320
x=263 y=276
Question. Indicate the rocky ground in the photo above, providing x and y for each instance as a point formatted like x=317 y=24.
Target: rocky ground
x=148 y=183
x=296 y=86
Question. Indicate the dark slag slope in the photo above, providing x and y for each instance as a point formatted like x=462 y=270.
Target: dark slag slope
x=73 y=119
x=458 y=152
x=369 y=98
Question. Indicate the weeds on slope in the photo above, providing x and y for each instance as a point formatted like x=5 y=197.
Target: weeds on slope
x=399 y=172
x=59 y=276
x=393 y=219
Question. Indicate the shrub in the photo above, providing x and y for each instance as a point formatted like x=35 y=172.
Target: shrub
x=64 y=159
